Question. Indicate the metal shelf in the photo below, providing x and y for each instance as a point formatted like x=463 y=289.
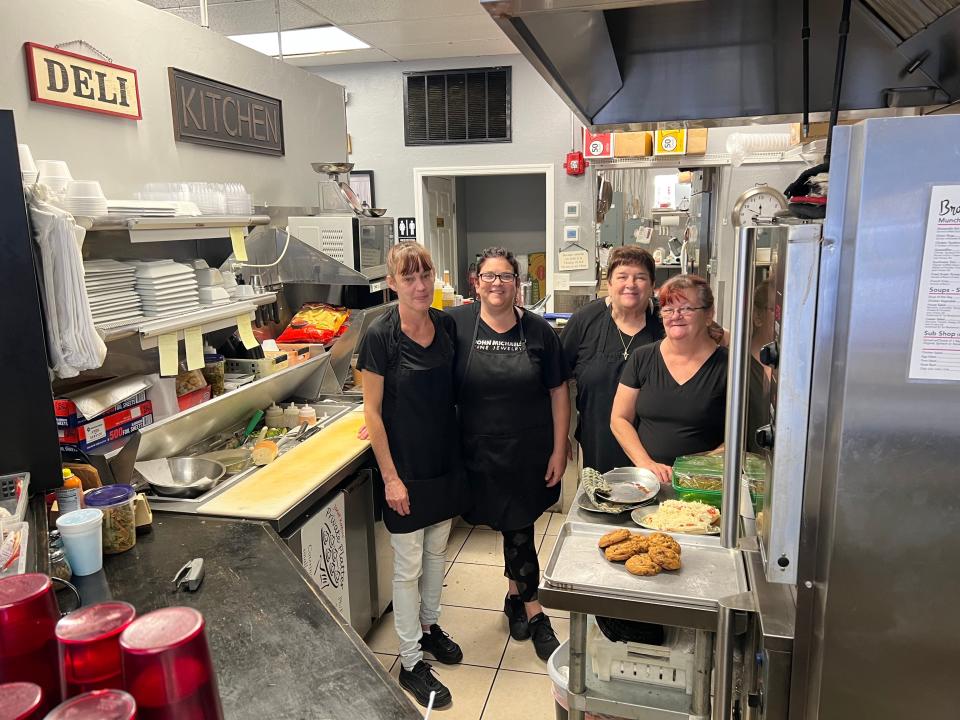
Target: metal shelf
x=166 y=229
x=208 y=319
x=707 y=160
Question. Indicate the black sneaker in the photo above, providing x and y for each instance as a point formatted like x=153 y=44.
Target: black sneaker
x=421 y=681
x=544 y=639
x=517 y=617
x=438 y=643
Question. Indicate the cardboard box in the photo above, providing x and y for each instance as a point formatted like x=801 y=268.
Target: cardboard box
x=93 y=434
x=817 y=131
x=78 y=407
x=195 y=397
x=697 y=141
x=632 y=144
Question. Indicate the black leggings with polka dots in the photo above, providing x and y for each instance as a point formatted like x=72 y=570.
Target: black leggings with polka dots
x=520 y=561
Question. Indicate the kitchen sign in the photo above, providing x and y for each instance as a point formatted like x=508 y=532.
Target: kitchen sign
x=209 y=112
x=58 y=77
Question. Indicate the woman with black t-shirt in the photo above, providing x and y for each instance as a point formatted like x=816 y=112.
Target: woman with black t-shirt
x=597 y=341
x=672 y=394
x=514 y=415
x=406 y=358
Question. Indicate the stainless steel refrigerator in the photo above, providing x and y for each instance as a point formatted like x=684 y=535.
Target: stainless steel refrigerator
x=855 y=578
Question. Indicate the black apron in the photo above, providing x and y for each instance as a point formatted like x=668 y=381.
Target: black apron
x=597 y=381
x=422 y=432
x=506 y=421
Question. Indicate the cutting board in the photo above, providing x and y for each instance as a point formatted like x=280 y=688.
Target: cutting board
x=277 y=487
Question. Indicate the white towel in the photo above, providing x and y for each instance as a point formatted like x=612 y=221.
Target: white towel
x=75 y=345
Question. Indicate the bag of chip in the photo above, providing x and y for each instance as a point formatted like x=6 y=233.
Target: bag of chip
x=316 y=323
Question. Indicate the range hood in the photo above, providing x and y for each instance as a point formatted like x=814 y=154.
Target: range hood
x=701 y=63
x=299 y=263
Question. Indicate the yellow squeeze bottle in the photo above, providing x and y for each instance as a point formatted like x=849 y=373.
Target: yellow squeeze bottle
x=437 y=294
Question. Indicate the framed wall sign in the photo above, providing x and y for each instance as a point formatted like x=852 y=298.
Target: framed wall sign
x=66 y=79
x=361 y=181
x=209 y=112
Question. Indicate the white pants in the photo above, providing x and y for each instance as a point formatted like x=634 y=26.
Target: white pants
x=419 y=559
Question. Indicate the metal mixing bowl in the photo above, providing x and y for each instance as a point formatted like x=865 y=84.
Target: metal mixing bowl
x=192 y=477
x=331 y=168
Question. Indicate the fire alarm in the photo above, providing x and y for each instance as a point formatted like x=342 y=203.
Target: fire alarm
x=575 y=164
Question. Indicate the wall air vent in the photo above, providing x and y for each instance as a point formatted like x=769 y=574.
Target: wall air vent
x=448 y=107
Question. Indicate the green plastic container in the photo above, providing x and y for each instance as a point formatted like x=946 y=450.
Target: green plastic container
x=700 y=478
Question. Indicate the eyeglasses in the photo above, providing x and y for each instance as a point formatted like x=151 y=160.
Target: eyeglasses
x=680 y=311
x=505 y=277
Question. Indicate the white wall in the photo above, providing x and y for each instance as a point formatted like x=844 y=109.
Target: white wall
x=542 y=133
x=124 y=154
x=505 y=210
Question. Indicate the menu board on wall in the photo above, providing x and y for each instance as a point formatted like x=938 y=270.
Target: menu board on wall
x=209 y=112
x=935 y=353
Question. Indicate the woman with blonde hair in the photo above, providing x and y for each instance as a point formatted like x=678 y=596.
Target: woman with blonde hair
x=407 y=359
x=672 y=394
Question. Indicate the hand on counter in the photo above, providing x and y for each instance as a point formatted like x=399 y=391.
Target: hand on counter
x=362 y=433
x=396 y=495
x=663 y=472
x=555 y=467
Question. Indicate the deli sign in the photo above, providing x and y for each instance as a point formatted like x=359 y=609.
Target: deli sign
x=208 y=112
x=58 y=77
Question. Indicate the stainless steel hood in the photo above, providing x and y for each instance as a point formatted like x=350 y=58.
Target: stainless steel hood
x=640 y=65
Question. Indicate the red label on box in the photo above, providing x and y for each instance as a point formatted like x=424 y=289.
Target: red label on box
x=597 y=146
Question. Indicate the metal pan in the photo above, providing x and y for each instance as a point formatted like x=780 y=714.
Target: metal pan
x=351 y=197
x=191 y=477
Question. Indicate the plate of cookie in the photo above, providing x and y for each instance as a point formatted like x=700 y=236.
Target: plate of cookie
x=644 y=555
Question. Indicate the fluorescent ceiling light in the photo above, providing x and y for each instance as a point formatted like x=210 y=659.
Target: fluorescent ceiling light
x=307 y=41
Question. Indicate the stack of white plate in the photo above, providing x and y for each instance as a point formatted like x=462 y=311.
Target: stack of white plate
x=110 y=291
x=28 y=168
x=84 y=197
x=142 y=208
x=166 y=288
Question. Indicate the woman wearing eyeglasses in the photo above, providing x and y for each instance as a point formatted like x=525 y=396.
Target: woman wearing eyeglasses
x=672 y=394
x=514 y=415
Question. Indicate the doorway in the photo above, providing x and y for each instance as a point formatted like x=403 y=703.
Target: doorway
x=465 y=209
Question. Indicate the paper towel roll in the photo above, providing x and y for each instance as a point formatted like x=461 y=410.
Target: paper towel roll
x=669 y=220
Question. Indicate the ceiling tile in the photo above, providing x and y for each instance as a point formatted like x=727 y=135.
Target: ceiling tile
x=468 y=48
x=415 y=32
x=353 y=12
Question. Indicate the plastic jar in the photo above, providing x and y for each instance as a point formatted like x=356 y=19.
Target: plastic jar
x=214 y=365
x=82 y=540
x=119 y=519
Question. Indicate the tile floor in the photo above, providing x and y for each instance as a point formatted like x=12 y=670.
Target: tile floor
x=500 y=678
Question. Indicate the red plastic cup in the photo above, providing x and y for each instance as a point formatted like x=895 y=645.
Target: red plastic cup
x=89 y=644
x=21 y=701
x=96 y=705
x=167 y=666
x=28 y=646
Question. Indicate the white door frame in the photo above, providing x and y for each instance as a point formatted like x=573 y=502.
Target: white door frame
x=419 y=174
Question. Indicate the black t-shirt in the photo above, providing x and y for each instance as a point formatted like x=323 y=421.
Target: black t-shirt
x=380 y=350
x=541 y=339
x=592 y=327
x=672 y=419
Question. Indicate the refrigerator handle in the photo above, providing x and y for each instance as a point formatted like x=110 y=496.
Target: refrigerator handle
x=737 y=386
